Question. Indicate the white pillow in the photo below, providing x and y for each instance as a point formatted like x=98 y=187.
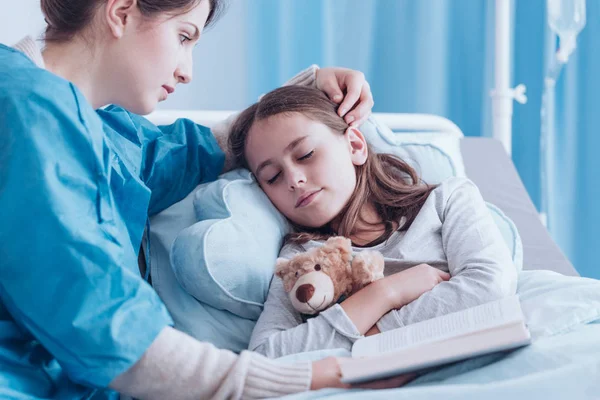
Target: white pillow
x=435 y=156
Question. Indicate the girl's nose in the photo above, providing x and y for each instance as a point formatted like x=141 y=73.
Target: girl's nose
x=297 y=179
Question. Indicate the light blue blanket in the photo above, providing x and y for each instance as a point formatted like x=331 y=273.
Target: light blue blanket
x=563 y=361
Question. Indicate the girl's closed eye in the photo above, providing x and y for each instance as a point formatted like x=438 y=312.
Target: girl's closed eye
x=273 y=179
x=303 y=158
x=184 y=38
x=307 y=156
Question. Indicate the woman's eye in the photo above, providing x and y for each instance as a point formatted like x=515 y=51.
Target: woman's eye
x=307 y=156
x=273 y=179
x=184 y=38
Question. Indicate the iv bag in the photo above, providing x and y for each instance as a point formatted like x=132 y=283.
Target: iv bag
x=566 y=18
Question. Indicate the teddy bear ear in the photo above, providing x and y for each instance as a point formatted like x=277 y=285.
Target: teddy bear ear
x=343 y=244
x=340 y=242
x=281 y=266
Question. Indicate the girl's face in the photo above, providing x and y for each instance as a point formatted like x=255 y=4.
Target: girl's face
x=306 y=169
x=152 y=56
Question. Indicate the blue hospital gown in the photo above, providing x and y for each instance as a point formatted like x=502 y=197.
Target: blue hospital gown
x=76 y=188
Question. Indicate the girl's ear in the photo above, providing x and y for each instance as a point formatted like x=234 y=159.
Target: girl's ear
x=358 y=146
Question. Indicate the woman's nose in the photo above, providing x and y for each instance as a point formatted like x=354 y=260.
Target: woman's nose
x=182 y=76
x=183 y=73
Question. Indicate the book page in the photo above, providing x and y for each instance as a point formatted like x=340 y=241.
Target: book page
x=459 y=323
x=423 y=356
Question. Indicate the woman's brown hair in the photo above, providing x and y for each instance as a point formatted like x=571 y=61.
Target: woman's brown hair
x=384 y=180
x=66 y=18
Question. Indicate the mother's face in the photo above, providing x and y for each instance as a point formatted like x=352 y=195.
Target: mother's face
x=152 y=56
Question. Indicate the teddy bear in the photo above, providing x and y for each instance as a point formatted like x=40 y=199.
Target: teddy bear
x=317 y=278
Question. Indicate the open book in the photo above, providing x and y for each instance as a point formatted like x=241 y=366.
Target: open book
x=488 y=328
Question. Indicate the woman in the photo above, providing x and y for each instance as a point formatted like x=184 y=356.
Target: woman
x=76 y=188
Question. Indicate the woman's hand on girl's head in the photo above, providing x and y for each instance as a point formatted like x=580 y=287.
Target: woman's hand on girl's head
x=326 y=373
x=406 y=286
x=358 y=102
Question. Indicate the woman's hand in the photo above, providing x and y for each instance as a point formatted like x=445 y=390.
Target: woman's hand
x=406 y=286
x=326 y=373
x=358 y=98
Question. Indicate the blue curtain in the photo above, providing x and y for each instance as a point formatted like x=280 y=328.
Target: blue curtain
x=573 y=179
x=419 y=56
x=429 y=56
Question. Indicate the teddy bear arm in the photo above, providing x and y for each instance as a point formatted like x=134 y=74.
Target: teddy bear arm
x=367 y=267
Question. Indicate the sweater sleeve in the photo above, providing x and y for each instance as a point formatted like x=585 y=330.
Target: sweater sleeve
x=280 y=329
x=178 y=367
x=479 y=261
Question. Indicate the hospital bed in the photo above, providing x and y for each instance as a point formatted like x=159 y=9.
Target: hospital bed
x=562 y=310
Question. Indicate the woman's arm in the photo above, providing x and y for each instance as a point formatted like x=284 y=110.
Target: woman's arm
x=478 y=259
x=171 y=160
x=176 y=366
x=68 y=274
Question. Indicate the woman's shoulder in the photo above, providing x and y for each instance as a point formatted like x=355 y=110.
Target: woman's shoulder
x=40 y=108
x=29 y=86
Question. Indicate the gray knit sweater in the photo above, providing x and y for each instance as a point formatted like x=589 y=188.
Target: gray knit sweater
x=454 y=231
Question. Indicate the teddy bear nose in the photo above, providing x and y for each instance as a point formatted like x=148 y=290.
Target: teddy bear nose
x=305 y=292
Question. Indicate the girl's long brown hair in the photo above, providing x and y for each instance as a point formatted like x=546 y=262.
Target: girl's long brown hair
x=384 y=180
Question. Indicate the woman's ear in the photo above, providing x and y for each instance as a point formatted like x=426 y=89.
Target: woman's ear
x=118 y=14
x=358 y=146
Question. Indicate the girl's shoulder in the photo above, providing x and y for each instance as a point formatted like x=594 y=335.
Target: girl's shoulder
x=455 y=191
x=450 y=185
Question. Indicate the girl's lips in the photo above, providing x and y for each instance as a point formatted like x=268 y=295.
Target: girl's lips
x=308 y=198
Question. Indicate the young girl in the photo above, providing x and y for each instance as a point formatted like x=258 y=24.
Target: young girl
x=443 y=251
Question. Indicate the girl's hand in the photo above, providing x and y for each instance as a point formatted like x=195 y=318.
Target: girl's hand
x=406 y=286
x=373 y=331
x=326 y=373
x=358 y=98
